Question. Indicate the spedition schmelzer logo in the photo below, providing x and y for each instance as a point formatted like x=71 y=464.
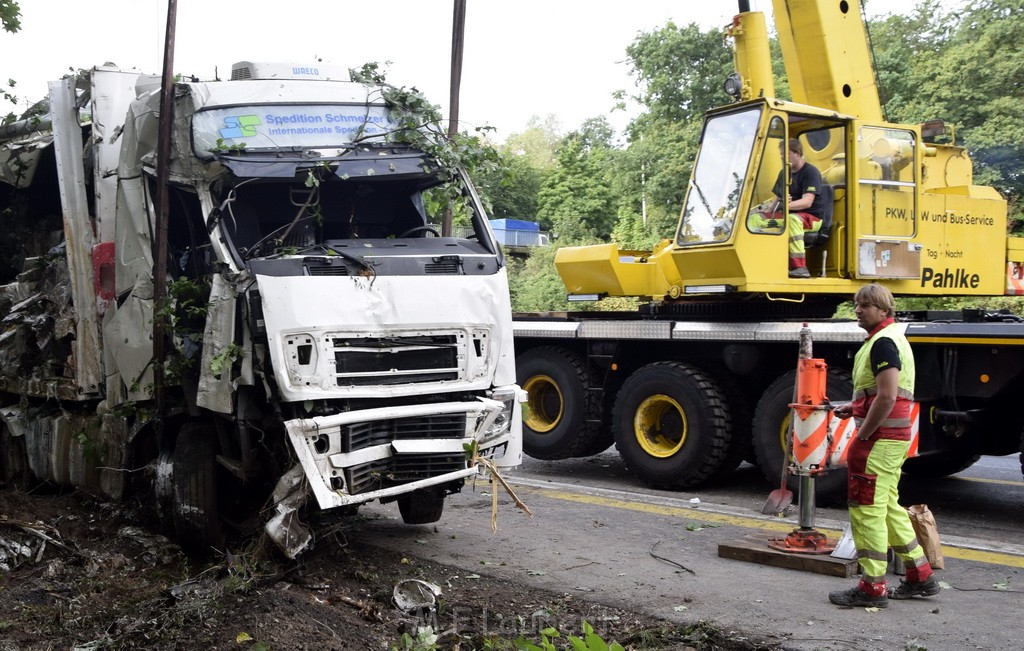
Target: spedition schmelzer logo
x=240 y=126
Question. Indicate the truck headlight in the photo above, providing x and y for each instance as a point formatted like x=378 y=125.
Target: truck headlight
x=503 y=421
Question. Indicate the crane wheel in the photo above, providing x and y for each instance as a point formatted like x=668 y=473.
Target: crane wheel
x=940 y=464
x=772 y=424
x=672 y=426
x=563 y=413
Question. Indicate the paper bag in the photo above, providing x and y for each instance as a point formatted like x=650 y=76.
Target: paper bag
x=927 y=532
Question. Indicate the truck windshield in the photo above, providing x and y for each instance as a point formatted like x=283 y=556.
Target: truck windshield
x=368 y=204
x=718 y=175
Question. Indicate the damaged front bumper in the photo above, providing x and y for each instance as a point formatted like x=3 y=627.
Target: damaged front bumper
x=370 y=454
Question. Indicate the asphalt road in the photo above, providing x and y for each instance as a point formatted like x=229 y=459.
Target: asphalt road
x=596 y=534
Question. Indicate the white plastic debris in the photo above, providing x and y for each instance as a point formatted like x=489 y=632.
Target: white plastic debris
x=413 y=594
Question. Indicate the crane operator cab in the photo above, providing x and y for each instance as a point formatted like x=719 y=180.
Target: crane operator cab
x=901 y=213
x=743 y=151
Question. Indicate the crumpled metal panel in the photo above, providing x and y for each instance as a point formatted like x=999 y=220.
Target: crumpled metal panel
x=111 y=93
x=78 y=235
x=19 y=159
x=215 y=392
x=128 y=334
x=72 y=449
x=37 y=354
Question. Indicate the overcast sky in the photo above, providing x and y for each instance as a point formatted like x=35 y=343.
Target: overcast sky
x=522 y=58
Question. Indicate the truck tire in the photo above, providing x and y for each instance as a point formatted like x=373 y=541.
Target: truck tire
x=563 y=416
x=14 y=468
x=940 y=464
x=196 y=521
x=771 y=425
x=421 y=507
x=671 y=425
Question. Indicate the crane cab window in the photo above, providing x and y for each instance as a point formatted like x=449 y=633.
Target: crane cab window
x=886 y=179
x=765 y=215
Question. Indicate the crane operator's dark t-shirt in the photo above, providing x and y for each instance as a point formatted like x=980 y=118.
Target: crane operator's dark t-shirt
x=806 y=179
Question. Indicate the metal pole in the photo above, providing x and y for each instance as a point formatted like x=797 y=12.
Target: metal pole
x=458 y=38
x=160 y=236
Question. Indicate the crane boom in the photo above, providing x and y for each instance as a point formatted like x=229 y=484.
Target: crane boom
x=829 y=72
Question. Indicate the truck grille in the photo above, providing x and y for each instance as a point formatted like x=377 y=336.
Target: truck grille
x=395 y=360
x=446 y=267
x=380 y=432
x=401 y=469
x=327 y=270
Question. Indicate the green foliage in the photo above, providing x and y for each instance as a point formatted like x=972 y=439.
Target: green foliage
x=418 y=123
x=577 y=201
x=535 y=285
x=225 y=359
x=679 y=72
x=10 y=18
x=10 y=15
x=961 y=67
x=589 y=641
x=425 y=640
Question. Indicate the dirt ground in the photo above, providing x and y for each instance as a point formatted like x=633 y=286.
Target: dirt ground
x=80 y=573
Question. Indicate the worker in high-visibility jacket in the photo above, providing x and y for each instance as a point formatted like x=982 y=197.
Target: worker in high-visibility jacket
x=883 y=393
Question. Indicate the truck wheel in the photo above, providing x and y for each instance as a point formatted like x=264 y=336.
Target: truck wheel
x=771 y=426
x=196 y=524
x=14 y=468
x=671 y=425
x=562 y=418
x=940 y=464
x=421 y=507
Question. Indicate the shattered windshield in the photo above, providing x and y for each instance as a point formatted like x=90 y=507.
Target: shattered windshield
x=369 y=204
x=718 y=175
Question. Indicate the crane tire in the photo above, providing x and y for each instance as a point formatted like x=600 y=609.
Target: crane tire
x=741 y=410
x=771 y=425
x=940 y=464
x=671 y=425
x=563 y=415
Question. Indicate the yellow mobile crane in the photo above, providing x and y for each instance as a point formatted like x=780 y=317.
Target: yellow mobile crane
x=904 y=210
x=700 y=377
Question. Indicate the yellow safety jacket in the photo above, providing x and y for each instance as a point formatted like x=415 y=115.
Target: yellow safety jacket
x=865 y=389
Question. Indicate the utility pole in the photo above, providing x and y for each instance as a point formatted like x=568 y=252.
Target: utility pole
x=163 y=160
x=458 y=38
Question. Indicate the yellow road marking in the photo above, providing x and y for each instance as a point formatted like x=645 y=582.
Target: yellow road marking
x=993 y=558
x=984 y=480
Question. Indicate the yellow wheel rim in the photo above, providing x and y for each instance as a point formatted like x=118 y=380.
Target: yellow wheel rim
x=544 y=404
x=660 y=426
x=784 y=432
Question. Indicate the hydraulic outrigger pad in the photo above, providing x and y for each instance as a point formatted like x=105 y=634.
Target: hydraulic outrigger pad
x=805 y=540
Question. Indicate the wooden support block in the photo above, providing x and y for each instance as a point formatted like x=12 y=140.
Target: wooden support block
x=754 y=548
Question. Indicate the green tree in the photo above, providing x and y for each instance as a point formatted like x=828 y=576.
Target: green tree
x=576 y=201
x=526 y=160
x=679 y=73
x=10 y=18
x=966 y=68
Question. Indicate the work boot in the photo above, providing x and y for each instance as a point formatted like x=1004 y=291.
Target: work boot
x=907 y=589
x=857 y=597
x=799 y=272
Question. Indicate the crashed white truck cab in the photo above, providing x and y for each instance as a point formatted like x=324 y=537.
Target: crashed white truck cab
x=324 y=339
